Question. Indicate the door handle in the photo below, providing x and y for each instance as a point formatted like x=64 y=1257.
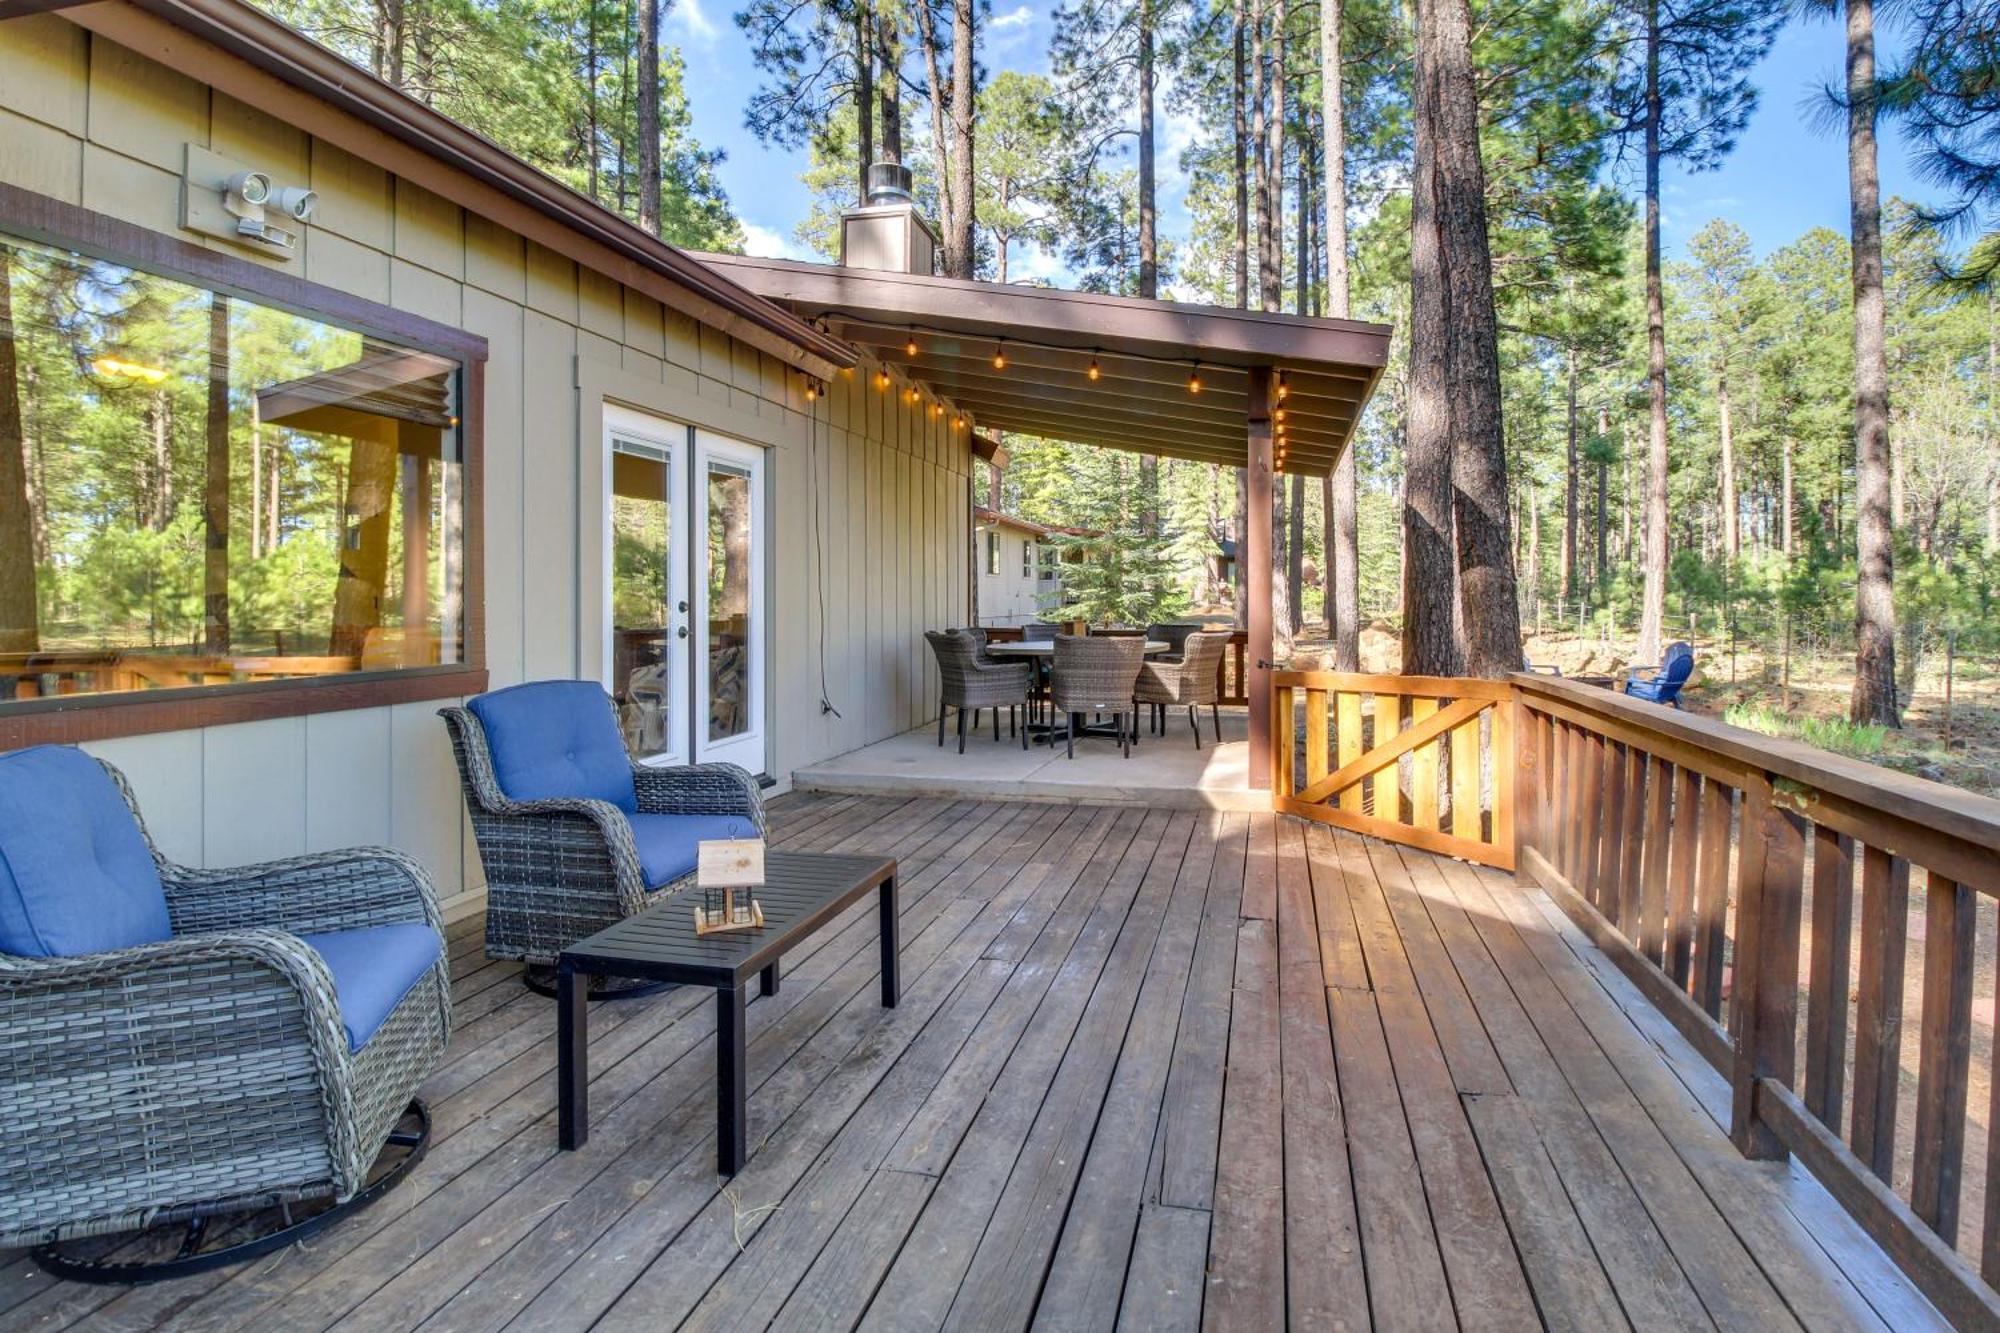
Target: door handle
x=684 y=609
x=682 y=631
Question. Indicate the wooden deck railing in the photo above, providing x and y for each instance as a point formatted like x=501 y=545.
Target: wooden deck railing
x=1759 y=891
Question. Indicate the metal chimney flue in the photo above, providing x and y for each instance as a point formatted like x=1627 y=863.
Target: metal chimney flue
x=889 y=183
x=885 y=232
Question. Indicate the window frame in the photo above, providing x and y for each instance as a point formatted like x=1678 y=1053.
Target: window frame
x=68 y=719
x=993 y=552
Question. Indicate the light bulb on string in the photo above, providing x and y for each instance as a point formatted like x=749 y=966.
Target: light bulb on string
x=1094 y=372
x=1194 y=378
x=910 y=347
x=999 y=356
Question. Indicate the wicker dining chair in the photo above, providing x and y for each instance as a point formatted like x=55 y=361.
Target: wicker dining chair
x=1188 y=683
x=1093 y=674
x=574 y=836
x=183 y=1045
x=1174 y=635
x=970 y=685
x=1039 y=631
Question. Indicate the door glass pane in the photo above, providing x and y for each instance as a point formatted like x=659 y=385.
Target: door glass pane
x=641 y=547
x=727 y=575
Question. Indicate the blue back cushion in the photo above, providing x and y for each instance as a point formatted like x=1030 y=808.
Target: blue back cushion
x=556 y=738
x=76 y=876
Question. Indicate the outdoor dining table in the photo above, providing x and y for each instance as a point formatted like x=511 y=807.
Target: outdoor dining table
x=1042 y=652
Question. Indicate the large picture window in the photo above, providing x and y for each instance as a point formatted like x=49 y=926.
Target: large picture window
x=200 y=490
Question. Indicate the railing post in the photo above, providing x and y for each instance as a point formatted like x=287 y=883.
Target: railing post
x=1770 y=865
x=1523 y=805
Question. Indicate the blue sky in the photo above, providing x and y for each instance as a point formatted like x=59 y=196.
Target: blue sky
x=1787 y=174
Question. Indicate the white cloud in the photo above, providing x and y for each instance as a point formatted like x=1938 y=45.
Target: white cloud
x=1018 y=17
x=689 y=17
x=767 y=243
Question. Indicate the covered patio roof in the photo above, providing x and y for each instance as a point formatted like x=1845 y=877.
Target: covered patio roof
x=1144 y=353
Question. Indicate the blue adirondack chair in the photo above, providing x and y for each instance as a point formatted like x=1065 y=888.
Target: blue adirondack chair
x=1663 y=685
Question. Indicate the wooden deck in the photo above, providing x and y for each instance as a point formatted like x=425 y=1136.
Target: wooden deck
x=1153 y=1069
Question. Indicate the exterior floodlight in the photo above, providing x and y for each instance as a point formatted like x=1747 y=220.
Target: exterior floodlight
x=295 y=203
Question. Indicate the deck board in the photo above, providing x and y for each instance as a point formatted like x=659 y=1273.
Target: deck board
x=1154 y=1069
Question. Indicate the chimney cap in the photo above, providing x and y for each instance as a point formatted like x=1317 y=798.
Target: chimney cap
x=889 y=183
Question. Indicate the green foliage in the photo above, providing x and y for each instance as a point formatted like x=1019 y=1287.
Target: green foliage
x=1860 y=740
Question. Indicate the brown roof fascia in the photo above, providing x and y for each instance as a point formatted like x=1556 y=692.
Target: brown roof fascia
x=612 y=245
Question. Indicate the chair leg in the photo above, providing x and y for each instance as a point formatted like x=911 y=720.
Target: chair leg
x=942 y=709
x=1024 y=731
x=961 y=731
x=996 y=724
x=1195 y=722
x=1215 y=714
x=1069 y=735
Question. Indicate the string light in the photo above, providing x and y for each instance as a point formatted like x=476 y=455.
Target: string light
x=1194 y=378
x=1283 y=388
x=812 y=389
x=882 y=379
x=1094 y=372
x=909 y=395
x=1000 y=356
x=937 y=409
x=958 y=423
x=1279 y=415
x=910 y=347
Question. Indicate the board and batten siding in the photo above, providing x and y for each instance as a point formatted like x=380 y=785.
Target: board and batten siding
x=868 y=512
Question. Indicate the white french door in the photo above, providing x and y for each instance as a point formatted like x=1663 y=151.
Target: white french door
x=729 y=612
x=684 y=564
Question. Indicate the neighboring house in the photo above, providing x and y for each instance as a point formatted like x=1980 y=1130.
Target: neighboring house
x=1019 y=575
x=333 y=412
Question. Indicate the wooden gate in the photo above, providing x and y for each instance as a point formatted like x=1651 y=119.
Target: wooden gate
x=1421 y=760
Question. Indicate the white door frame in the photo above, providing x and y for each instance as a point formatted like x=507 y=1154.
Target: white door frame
x=748 y=747
x=673 y=440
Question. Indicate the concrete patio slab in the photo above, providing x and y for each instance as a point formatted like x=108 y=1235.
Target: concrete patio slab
x=1162 y=771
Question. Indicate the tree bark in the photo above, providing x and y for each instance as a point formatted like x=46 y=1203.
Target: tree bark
x=1731 y=538
x=1241 y=529
x=864 y=100
x=1295 y=554
x=1874 y=697
x=1785 y=500
x=1149 y=245
x=20 y=617
x=1240 y=246
x=215 y=486
x=944 y=146
x=649 y=115
x=960 y=245
x=1271 y=251
x=1260 y=154
x=1603 y=579
x=889 y=50
x=1653 y=561
x=1342 y=547
x=1566 y=554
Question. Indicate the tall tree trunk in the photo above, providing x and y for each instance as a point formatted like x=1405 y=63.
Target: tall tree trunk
x=20 y=619
x=1282 y=612
x=1874 y=696
x=864 y=100
x=1430 y=568
x=889 y=50
x=1239 y=529
x=649 y=115
x=946 y=145
x=1653 y=605
x=1271 y=251
x=1260 y=155
x=1785 y=502
x=591 y=131
x=1295 y=554
x=960 y=251
x=1602 y=584
x=1240 y=243
x=1534 y=557
x=215 y=486
x=1566 y=554
x=1149 y=246
x=1461 y=291
x=1342 y=548
x=1731 y=539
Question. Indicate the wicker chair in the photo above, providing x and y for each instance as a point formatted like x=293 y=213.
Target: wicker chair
x=1097 y=674
x=574 y=836
x=1192 y=681
x=1174 y=635
x=188 y=1044
x=1038 y=631
x=970 y=685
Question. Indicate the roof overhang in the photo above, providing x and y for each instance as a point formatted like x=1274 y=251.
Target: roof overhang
x=1144 y=351
x=399 y=133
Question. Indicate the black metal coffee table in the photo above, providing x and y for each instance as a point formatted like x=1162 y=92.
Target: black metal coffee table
x=802 y=891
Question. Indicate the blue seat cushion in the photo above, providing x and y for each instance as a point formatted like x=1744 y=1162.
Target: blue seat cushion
x=373 y=968
x=556 y=738
x=76 y=876
x=666 y=843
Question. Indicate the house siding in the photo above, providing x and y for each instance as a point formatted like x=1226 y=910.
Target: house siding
x=89 y=122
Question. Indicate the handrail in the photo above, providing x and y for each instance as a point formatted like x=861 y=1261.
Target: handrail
x=1692 y=851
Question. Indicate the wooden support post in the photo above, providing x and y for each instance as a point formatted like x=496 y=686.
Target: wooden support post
x=1532 y=750
x=1256 y=555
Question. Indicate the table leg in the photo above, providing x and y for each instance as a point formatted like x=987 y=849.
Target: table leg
x=892 y=985
x=767 y=980
x=572 y=1056
x=731 y=1122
